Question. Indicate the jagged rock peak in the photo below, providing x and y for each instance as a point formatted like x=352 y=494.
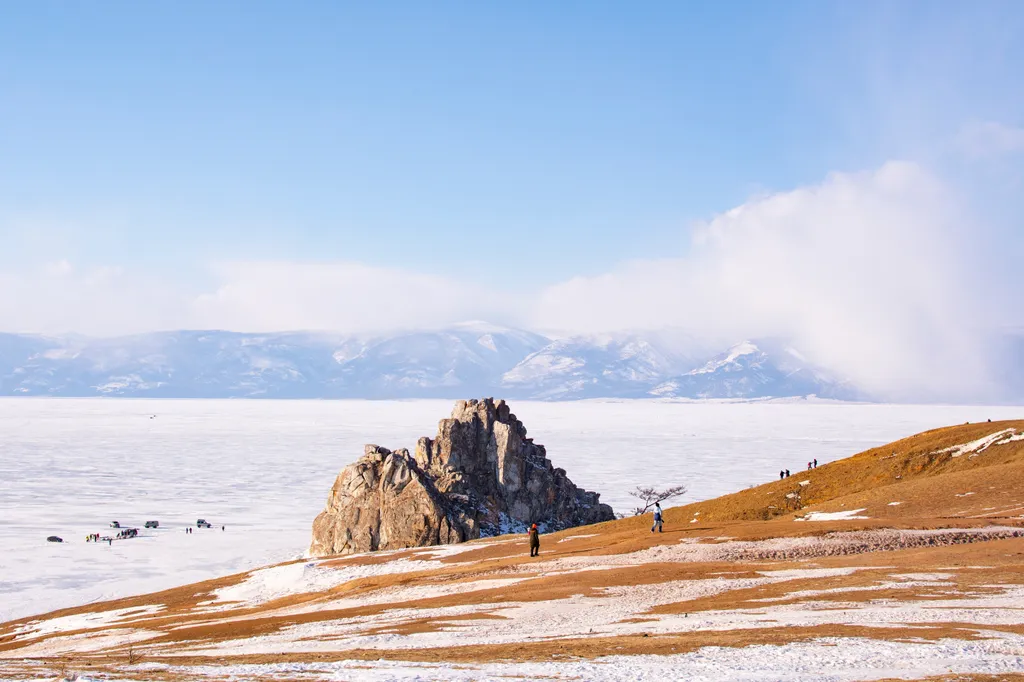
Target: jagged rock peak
x=481 y=476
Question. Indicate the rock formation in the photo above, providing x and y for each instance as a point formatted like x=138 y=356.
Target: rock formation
x=480 y=477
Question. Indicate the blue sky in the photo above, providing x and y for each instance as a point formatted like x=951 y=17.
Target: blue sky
x=172 y=134
x=836 y=172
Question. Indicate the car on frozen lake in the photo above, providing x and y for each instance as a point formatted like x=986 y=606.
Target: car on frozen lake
x=203 y=523
x=115 y=524
x=54 y=538
x=152 y=524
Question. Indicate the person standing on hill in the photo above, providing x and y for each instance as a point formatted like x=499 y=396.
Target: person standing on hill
x=657 y=517
x=534 y=541
x=815 y=462
x=787 y=473
x=782 y=474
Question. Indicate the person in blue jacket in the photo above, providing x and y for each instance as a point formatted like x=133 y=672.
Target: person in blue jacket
x=657 y=517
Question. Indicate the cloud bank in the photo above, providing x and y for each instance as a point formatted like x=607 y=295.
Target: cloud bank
x=869 y=273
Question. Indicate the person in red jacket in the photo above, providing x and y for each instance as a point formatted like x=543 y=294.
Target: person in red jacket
x=534 y=541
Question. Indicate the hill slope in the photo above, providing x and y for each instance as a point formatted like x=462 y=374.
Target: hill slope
x=937 y=462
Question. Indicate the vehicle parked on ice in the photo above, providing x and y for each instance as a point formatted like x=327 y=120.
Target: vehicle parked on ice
x=152 y=524
x=203 y=523
x=54 y=538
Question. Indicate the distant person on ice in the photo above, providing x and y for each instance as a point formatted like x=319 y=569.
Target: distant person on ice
x=534 y=541
x=657 y=517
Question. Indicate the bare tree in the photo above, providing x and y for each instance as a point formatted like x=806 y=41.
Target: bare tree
x=133 y=656
x=65 y=672
x=649 y=496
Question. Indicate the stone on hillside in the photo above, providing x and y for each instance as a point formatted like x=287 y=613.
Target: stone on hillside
x=480 y=477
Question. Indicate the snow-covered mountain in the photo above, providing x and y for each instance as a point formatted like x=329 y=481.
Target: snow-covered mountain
x=765 y=369
x=620 y=366
x=465 y=360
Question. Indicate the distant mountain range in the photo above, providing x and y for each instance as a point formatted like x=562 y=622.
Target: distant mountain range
x=465 y=360
x=768 y=368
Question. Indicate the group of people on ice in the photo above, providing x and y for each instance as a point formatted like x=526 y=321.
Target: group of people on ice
x=122 y=534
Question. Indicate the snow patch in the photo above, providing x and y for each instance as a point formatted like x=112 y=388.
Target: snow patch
x=835 y=516
x=275 y=582
x=979 y=446
x=85 y=621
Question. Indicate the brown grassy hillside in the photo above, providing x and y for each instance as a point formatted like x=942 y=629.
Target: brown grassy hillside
x=921 y=468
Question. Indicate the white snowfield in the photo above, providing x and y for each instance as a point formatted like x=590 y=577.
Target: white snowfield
x=263 y=468
x=824 y=660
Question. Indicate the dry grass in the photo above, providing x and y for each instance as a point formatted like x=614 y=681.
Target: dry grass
x=881 y=472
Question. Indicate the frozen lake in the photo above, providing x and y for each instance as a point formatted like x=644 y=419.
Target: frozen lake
x=263 y=469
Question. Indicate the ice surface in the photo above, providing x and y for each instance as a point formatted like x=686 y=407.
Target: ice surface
x=264 y=468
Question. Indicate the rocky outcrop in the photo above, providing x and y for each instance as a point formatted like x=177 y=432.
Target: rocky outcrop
x=481 y=476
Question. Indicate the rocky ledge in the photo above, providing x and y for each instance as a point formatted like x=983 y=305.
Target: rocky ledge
x=480 y=477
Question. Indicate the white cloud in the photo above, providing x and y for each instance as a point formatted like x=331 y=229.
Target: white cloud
x=57 y=298
x=869 y=273
x=864 y=271
x=248 y=296
x=988 y=139
x=266 y=296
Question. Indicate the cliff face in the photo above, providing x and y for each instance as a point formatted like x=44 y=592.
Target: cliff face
x=481 y=476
